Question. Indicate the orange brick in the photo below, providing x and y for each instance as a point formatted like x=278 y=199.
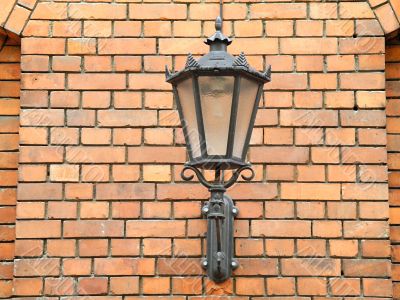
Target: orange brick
x=108 y=11
x=279 y=247
x=280 y=286
x=309 y=28
x=278 y=136
x=125 y=247
x=157 y=285
x=157 y=29
x=341 y=287
x=156 y=12
x=155 y=228
x=250 y=286
x=124 y=285
x=92 y=286
x=27 y=286
x=186 y=285
x=279 y=28
x=93 y=247
x=94 y=210
x=127 y=28
x=279 y=209
x=62 y=248
x=76 y=266
x=278 y=11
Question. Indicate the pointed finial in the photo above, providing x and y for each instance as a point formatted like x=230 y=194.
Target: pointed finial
x=167 y=72
x=241 y=61
x=267 y=72
x=191 y=62
x=218 y=24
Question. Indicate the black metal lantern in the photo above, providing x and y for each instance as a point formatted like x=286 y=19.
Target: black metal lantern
x=217 y=98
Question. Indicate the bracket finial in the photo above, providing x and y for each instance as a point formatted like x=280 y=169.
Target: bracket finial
x=191 y=62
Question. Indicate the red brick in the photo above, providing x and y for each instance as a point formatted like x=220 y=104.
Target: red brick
x=377 y=287
x=365 y=229
x=343 y=248
x=109 y=11
x=93 y=228
x=63 y=248
x=96 y=81
x=155 y=228
x=27 y=286
x=280 y=209
x=307 y=266
x=121 y=191
x=125 y=247
x=43 y=46
x=37 y=267
x=59 y=286
x=283 y=228
x=308 y=46
x=157 y=12
x=124 y=266
x=278 y=11
x=366 y=268
x=250 y=286
x=126 y=210
x=279 y=154
x=39 y=191
x=312 y=286
x=191 y=247
x=92 y=286
x=186 y=285
x=157 y=247
x=124 y=285
x=76 y=266
x=310 y=191
x=345 y=287
x=365 y=191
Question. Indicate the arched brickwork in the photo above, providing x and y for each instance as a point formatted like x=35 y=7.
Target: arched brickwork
x=388 y=14
x=15 y=14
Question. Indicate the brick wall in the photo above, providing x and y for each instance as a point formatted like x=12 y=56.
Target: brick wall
x=9 y=125
x=102 y=212
x=392 y=111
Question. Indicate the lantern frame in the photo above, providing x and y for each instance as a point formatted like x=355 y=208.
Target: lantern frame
x=219 y=210
x=218 y=62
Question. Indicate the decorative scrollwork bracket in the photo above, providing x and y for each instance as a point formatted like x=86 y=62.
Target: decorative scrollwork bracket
x=220 y=212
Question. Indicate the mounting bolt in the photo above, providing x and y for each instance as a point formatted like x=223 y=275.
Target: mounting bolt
x=205 y=210
x=204 y=264
x=235 y=211
x=234 y=264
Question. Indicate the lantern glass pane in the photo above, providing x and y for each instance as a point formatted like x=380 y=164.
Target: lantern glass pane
x=216 y=103
x=189 y=121
x=247 y=98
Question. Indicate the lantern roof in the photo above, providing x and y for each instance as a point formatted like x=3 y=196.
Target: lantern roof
x=218 y=60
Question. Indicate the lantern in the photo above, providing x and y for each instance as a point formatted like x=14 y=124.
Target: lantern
x=217 y=98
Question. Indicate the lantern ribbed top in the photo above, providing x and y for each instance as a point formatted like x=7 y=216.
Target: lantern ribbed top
x=218 y=59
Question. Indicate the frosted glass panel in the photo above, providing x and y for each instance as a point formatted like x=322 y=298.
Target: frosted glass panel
x=216 y=102
x=186 y=98
x=247 y=97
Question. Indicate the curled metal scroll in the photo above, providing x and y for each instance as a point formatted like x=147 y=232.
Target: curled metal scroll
x=236 y=174
x=199 y=175
x=224 y=184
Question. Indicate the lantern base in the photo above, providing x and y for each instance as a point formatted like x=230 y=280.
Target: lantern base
x=220 y=213
x=217 y=163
